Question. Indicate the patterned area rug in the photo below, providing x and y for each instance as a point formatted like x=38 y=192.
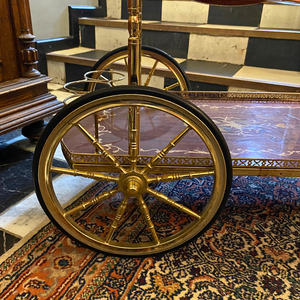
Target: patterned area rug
x=251 y=252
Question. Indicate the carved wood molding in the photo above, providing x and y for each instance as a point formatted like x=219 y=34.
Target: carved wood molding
x=25 y=39
x=29 y=54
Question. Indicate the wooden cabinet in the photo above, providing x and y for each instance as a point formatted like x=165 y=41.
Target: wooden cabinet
x=24 y=97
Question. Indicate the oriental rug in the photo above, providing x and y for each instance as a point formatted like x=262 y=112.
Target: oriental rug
x=252 y=251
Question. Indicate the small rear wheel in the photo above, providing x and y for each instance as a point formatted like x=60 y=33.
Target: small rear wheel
x=156 y=65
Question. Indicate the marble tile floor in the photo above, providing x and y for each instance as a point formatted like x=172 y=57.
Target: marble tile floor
x=20 y=211
x=15 y=183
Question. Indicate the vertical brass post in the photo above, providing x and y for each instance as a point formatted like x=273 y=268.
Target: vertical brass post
x=134 y=41
x=134 y=74
x=134 y=135
x=96 y=121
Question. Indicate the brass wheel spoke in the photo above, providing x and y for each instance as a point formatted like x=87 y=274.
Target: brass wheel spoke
x=126 y=62
x=87 y=204
x=108 y=156
x=133 y=135
x=178 y=176
x=117 y=219
x=151 y=73
x=172 y=86
x=159 y=156
x=92 y=175
x=171 y=202
x=145 y=212
x=96 y=123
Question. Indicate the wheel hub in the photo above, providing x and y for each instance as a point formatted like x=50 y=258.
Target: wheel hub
x=133 y=184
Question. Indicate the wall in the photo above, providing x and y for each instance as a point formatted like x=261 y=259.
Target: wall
x=50 y=19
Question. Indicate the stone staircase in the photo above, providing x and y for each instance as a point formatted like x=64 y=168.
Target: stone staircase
x=250 y=48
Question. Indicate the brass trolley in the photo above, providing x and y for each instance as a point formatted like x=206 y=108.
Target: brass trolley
x=135 y=140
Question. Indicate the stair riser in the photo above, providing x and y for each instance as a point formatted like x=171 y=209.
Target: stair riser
x=276 y=16
x=65 y=72
x=223 y=55
x=62 y=72
x=249 y=51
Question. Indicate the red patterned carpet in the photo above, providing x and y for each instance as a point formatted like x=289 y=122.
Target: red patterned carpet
x=251 y=252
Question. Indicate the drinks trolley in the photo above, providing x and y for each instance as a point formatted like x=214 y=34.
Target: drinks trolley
x=136 y=141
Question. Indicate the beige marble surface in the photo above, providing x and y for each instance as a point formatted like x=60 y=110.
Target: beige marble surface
x=184 y=11
x=56 y=70
x=28 y=214
x=179 y=60
x=61 y=95
x=54 y=86
x=273 y=75
x=280 y=16
x=108 y=38
x=25 y=216
x=218 y=48
x=114 y=8
x=227 y=27
x=73 y=51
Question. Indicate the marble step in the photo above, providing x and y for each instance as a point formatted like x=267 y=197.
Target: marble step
x=20 y=211
x=198 y=28
x=68 y=65
x=280 y=15
x=251 y=46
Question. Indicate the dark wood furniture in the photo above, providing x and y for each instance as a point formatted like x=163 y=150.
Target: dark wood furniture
x=24 y=97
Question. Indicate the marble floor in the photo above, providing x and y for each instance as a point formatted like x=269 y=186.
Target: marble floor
x=20 y=211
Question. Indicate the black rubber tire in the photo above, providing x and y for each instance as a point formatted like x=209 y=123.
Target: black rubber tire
x=146 y=48
x=131 y=90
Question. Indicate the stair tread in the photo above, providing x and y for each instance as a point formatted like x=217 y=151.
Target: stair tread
x=211 y=72
x=92 y=54
x=209 y=67
x=209 y=29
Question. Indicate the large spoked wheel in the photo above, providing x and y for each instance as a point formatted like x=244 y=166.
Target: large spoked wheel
x=155 y=66
x=142 y=200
